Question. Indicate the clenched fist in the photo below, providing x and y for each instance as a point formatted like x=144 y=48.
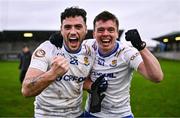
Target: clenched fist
x=59 y=66
x=133 y=36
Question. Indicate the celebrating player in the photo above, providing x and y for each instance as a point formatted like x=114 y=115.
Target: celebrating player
x=117 y=61
x=57 y=72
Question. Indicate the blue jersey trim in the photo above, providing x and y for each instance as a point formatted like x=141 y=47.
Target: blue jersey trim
x=110 y=53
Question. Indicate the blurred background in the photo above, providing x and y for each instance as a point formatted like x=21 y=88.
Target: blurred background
x=30 y=22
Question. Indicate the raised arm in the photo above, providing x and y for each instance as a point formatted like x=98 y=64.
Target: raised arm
x=150 y=67
x=36 y=80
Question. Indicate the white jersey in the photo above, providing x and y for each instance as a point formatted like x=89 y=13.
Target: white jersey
x=62 y=98
x=117 y=67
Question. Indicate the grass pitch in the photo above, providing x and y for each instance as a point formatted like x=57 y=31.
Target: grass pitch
x=147 y=99
x=12 y=103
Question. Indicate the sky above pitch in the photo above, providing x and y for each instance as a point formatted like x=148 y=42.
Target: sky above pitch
x=152 y=18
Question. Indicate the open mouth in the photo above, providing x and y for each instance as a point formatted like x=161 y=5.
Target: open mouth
x=105 y=40
x=73 y=40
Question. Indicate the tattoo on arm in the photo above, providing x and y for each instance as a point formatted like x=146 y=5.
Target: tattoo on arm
x=33 y=81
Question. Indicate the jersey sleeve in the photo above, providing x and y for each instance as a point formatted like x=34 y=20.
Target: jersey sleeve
x=41 y=57
x=132 y=57
x=89 y=45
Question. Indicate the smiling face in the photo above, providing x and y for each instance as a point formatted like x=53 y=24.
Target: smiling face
x=73 y=30
x=105 y=33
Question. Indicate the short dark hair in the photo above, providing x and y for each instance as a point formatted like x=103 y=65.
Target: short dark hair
x=25 y=45
x=105 y=16
x=72 y=12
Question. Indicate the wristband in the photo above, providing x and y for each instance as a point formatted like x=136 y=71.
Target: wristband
x=142 y=46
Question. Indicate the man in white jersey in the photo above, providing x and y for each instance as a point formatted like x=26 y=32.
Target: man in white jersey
x=56 y=75
x=117 y=61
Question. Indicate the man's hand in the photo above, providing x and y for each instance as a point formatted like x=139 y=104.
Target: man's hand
x=59 y=66
x=56 y=39
x=134 y=37
x=99 y=86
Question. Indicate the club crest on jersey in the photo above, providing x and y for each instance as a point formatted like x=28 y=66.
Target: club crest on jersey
x=101 y=61
x=113 y=63
x=39 y=53
x=86 y=61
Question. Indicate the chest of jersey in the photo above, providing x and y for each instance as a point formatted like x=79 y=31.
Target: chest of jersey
x=111 y=66
x=80 y=65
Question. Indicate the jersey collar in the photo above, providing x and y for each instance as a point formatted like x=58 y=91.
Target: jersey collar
x=110 y=53
x=75 y=52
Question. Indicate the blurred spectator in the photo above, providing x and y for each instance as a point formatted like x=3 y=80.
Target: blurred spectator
x=25 y=58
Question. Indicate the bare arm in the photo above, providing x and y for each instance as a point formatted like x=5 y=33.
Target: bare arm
x=150 y=67
x=87 y=84
x=36 y=81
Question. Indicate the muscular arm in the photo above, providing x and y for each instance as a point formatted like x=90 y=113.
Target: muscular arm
x=150 y=67
x=36 y=81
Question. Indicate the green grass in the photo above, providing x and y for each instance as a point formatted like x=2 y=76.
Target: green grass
x=12 y=103
x=147 y=98
x=160 y=100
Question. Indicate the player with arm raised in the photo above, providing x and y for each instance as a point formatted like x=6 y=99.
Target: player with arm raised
x=117 y=61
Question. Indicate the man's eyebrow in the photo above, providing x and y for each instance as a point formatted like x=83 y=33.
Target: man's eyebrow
x=78 y=25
